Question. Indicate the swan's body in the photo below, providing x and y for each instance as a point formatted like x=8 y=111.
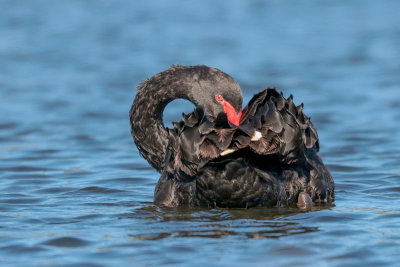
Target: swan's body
x=219 y=155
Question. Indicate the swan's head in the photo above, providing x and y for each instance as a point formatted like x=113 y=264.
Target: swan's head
x=217 y=92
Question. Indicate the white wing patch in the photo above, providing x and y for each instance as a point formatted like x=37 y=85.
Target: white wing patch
x=228 y=151
x=257 y=136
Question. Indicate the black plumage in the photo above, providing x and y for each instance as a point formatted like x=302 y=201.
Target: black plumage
x=269 y=159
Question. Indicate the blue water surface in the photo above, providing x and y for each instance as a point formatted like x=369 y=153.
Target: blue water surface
x=74 y=190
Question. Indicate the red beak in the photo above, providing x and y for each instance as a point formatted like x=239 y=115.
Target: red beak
x=230 y=111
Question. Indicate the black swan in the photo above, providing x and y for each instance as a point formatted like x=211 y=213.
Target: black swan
x=222 y=156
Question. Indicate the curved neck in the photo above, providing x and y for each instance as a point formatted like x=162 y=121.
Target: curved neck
x=146 y=113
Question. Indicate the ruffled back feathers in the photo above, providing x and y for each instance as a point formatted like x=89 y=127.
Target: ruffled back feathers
x=282 y=128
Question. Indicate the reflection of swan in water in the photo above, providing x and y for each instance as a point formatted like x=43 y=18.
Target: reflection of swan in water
x=255 y=223
x=221 y=155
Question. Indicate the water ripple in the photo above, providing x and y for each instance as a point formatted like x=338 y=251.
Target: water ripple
x=66 y=242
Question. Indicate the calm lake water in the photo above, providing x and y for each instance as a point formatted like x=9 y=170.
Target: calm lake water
x=74 y=190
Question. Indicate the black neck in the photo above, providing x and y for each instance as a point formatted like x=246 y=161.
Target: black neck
x=146 y=114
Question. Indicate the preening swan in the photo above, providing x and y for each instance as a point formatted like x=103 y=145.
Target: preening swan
x=222 y=156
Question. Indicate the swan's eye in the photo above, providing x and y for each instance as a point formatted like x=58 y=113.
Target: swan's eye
x=219 y=98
